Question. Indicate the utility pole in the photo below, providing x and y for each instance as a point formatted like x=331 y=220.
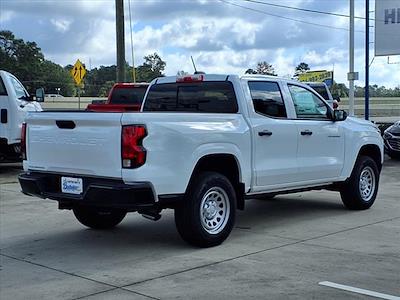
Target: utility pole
x=119 y=13
x=367 y=60
x=351 y=76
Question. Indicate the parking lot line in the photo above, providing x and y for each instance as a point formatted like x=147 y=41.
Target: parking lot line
x=358 y=290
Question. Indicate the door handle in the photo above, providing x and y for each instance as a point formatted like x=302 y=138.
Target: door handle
x=265 y=133
x=65 y=124
x=306 y=132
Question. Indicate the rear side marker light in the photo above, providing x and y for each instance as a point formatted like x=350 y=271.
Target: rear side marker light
x=133 y=154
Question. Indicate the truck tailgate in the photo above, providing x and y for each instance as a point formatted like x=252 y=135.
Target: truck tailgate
x=75 y=143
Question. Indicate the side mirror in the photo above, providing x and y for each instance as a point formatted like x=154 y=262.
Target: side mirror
x=40 y=95
x=339 y=115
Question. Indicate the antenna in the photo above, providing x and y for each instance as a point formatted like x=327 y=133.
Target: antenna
x=194 y=65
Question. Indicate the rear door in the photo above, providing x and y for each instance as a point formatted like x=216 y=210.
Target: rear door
x=75 y=143
x=274 y=136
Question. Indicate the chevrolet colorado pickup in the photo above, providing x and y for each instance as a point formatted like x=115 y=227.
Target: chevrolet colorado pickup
x=201 y=145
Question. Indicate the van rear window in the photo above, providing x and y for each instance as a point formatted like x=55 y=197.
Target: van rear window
x=209 y=97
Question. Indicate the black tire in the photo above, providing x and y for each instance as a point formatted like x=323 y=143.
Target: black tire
x=97 y=218
x=351 y=195
x=215 y=193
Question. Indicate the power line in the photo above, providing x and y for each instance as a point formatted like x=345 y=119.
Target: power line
x=303 y=9
x=283 y=17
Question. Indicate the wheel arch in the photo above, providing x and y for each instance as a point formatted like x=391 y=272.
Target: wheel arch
x=226 y=164
x=373 y=151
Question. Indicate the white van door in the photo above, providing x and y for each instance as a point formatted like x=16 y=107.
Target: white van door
x=4 y=112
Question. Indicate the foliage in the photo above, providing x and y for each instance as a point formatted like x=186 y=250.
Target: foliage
x=105 y=88
x=250 y=71
x=301 y=68
x=265 y=68
x=26 y=61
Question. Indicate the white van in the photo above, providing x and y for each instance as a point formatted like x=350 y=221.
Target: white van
x=15 y=102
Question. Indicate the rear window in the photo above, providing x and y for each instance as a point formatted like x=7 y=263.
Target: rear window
x=128 y=95
x=211 y=97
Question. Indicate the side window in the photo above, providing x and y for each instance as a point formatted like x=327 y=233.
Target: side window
x=307 y=104
x=3 y=91
x=267 y=98
x=19 y=89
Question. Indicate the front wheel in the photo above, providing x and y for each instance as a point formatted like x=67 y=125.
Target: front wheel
x=360 y=190
x=97 y=218
x=207 y=214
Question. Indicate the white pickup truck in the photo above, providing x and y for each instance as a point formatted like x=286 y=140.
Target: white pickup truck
x=15 y=102
x=201 y=145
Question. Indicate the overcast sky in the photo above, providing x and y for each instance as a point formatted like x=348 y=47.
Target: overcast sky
x=222 y=38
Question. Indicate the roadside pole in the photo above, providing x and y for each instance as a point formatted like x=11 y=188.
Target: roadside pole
x=120 y=30
x=79 y=97
x=366 y=59
x=350 y=75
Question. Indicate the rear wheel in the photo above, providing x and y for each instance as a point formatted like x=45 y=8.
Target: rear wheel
x=207 y=215
x=98 y=218
x=360 y=190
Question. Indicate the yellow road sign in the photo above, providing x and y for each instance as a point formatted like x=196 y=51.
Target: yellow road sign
x=78 y=72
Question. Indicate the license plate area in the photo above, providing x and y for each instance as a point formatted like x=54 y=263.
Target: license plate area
x=71 y=185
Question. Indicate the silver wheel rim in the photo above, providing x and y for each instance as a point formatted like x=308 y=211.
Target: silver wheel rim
x=214 y=210
x=367 y=184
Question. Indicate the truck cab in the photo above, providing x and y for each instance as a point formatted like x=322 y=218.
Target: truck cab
x=15 y=103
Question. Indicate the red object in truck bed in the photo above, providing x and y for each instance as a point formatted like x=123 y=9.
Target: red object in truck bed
x=123 y=97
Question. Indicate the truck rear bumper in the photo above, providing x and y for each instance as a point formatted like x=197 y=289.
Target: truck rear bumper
x=99 y=192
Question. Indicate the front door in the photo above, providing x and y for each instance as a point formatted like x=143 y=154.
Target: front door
x=320 y=151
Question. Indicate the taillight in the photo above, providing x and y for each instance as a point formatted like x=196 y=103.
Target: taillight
x=23 y=141
x=133 y=153
x=190 y=78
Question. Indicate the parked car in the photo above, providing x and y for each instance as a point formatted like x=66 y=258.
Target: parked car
x=54 y=96
x=122 y=97
x=15 y=103
x=322 y=89
x=201 y=145
x=391 y=137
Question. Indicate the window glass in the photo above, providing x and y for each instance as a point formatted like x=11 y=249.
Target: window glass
x=307 y=104
x=128 y=95
x=267 y=98
x=322 y=91
x=213 y=97
x=3 y=91
x=19 y=89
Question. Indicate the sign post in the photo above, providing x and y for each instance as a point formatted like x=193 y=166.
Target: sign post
x=77 y=73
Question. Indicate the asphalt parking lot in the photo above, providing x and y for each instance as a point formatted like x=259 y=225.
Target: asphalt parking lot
x=280 y=249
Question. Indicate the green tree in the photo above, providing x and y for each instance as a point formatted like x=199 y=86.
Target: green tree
x=301 y=68
x=265 y=68
x=250 y=71
x=152 y=67
x=26 y=61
